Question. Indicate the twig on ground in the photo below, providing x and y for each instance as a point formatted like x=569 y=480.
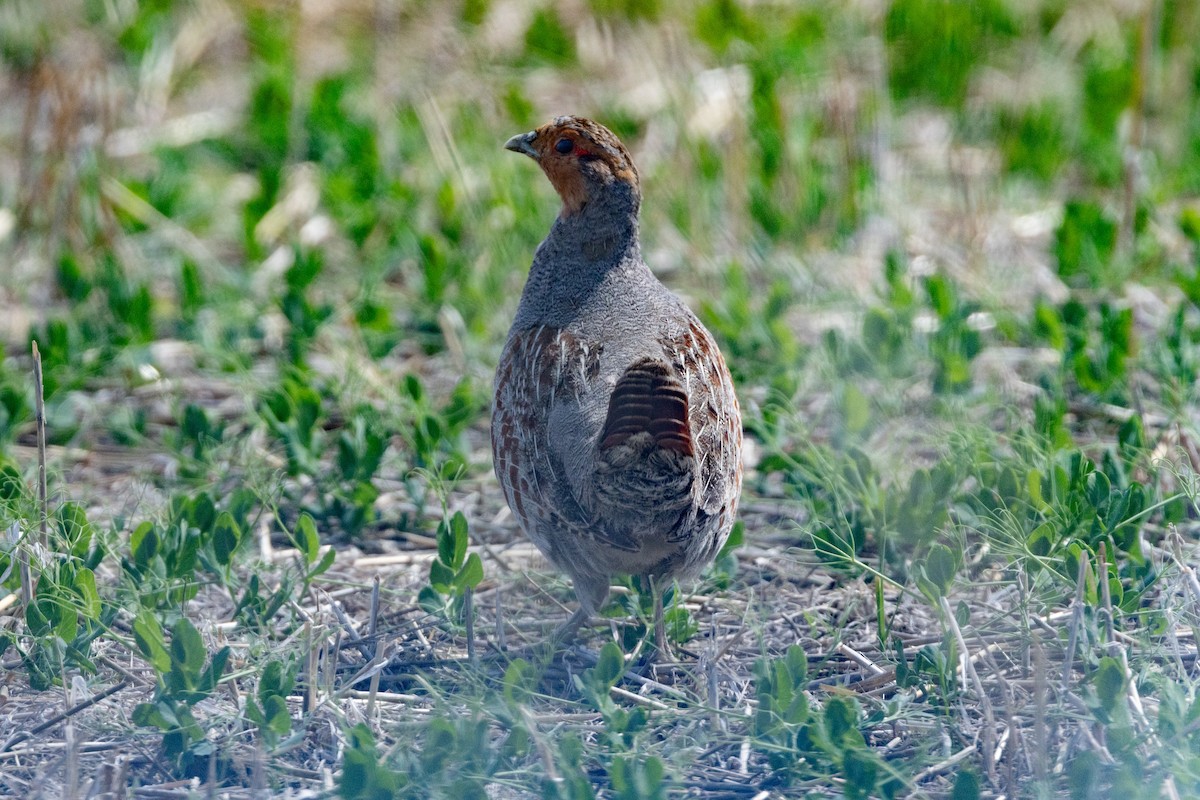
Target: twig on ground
x=21 y=736
x=501 y=643
x=373 y=619
x=39 y=396
x=942 y=766
x=1076 y=621
x=469 y=614
x=985 y=703
x=858 y=658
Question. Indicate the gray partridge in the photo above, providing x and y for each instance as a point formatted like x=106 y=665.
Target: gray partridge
x=616 y=433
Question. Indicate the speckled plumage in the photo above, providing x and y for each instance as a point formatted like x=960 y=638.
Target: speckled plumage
x=616 y=433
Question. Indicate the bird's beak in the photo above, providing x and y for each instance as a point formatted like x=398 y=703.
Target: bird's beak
x=523 y=143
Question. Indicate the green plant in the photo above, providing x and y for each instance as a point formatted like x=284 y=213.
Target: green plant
x=456 y=757
x=797 y=739
x=305 y=316
x=1109 y=86
x=547 y=40
x=307 y=240
x=631 y=774
x=344 y=491
x=186 y=675
x=1084 y=244
x=344 y=143
x=454 y=572
x=268 y=708
x=164 y=559
x=436 y=434
x=199 y=432
x=16 y=406
x=782 y=704
x=934 y=45
x=363 y=777
x=1096 y=343
x=955 y=343
x=264 y=142
x=67 y=613
x=852 y=505
x=260 y=602
x=1033 y=140
x=754 y=332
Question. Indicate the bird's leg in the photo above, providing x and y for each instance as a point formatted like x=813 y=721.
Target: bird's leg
x=592 y=591
x=567 y=631
x=660 y=634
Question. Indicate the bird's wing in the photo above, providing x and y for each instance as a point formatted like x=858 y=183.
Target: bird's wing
x=714 y=417
x=542 y=432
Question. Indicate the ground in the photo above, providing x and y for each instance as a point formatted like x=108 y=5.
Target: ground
x=268 y=253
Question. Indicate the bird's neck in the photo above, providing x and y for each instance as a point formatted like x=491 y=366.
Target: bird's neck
x=585 y=249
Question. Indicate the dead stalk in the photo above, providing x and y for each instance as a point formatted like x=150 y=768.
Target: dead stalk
x=469 y=613
x=39 y=394
x=985 y=704
x=1076 y=621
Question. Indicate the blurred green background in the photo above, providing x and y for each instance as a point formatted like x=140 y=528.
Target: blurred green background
x=269 y=252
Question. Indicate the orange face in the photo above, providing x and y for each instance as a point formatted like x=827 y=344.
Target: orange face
x=578 y=156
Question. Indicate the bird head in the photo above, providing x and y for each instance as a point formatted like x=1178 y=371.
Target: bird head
x=583 y=160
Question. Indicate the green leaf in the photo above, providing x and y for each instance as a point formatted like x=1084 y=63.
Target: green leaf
x=143 y=543
x=362 y=775
x=271 y=681
x=1041 y=541
x=441 y=577
x=1083 y=775
x=226 y=536
x=151 y=715
x=737 y=537
x=216 y=668
x=279 y=720
x=609 y=667
x=797 y=665
x=1033 y=484
x=458 y=524
x=413 y=388
x=470 y=575
x=1110 y=683
x=149 y=637
x=85 y=588
x=445 y=543
x=254 y=713
x=439 y=745
x=518 y=679
x=856 y=410
x=195 y=423
x=966 y=786
x=860 y=768
x=75 y=528
x=68 y=623
x=430 y=600
x=546 y=38
x=840 y=716
x=187 y=648
x=939 y=568
x=679 y=625
x=202 y=512
x=324 y=565
x=307 y=540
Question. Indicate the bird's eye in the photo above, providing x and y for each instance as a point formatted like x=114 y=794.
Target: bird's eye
x=564 y=146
